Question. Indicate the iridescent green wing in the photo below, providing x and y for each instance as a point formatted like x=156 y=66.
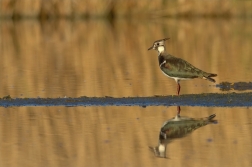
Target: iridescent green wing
x=176 y=67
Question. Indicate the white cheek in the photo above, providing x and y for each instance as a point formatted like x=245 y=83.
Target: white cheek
x=161 y=148
x=160 y=48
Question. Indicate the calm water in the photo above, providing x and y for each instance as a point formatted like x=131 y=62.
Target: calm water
x=99 y=58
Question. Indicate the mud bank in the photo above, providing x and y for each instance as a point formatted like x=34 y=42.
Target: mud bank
x=207 y=100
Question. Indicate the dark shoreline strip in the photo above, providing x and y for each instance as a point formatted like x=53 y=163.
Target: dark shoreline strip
x=205 y=100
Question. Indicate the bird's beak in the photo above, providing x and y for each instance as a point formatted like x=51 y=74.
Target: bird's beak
x=150 y=48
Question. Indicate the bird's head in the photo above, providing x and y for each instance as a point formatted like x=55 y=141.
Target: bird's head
x=159 y=45
x=159 y=151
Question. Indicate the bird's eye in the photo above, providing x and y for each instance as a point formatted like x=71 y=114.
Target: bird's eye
x=157 y=44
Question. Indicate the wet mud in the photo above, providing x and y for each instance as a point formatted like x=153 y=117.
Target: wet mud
x=239 y=86
x=207 y=100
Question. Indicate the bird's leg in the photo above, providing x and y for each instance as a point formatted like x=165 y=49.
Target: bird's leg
x=178 y=110
x=178 y=88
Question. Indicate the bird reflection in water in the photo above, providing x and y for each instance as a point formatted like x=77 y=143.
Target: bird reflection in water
x=178 y=127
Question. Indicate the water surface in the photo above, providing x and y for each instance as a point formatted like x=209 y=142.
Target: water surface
x=120 y=136
x=63 y=60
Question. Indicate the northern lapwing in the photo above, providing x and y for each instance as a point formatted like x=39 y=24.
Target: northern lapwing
x=177 y=68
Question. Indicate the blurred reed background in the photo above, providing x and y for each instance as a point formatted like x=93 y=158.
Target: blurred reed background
x=97 y=58
x=122 y=8
x=75 y=57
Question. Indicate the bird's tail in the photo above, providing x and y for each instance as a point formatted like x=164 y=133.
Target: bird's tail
x=208 y=77
x=211 y=119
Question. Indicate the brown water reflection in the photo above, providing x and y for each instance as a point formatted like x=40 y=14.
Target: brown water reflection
x=120 y=136
x=97 y=58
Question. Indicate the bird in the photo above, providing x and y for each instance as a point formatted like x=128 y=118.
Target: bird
x=177 y=68
x=178 y=127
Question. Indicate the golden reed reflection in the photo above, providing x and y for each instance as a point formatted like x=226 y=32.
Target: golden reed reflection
x=118 y=136
x=95 y=58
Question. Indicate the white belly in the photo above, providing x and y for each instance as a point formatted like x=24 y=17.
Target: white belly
x=176 y=78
